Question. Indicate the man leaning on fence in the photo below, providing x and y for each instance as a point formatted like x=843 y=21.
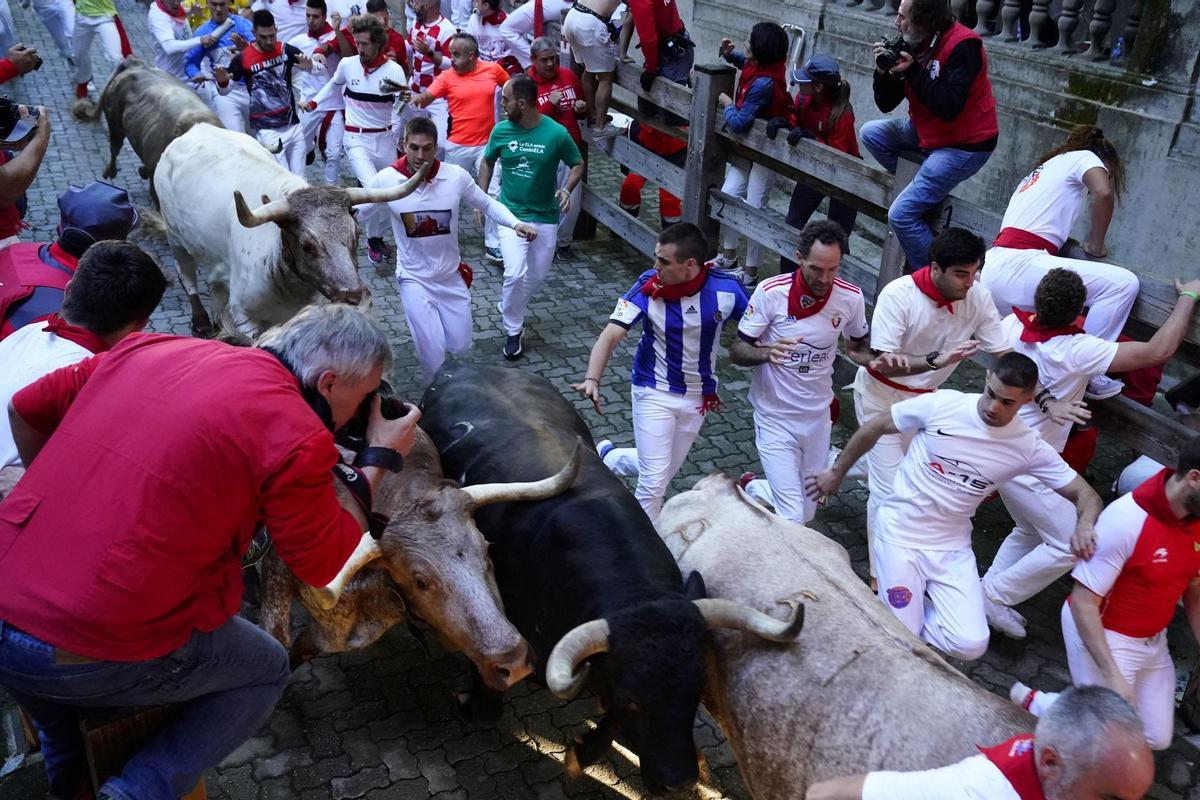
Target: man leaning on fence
x=941 y=68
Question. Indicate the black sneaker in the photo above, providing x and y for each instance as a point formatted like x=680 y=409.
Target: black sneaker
x=494 y=256
x=512 y=346
x=376 y=250
x=564 y=253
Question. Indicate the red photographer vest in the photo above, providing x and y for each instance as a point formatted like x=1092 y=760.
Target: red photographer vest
x=10 y=216
x=977 y=122
x=25 y=268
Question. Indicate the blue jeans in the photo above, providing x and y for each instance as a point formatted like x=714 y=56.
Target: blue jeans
x=942 y=170
x=226 y=683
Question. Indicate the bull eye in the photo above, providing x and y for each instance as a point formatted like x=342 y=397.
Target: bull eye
x=423 y=585
x=309 y=248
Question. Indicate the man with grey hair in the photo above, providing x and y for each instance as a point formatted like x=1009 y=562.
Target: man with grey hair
x=1089 y=746
x=153 y=464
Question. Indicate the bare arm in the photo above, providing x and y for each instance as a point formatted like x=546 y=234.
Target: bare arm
x=826 y=483
x=29 y=441
x=573 y=178
x=751 y=354
x=848 y=788
x=1103 y=201
x=859 y=350
x=1085 y=610
x=602 y=351
x=901 y=364
x=1165 y=341
x=422 y=100
x=485 y=173
x=1087 y=508
x=17 y=175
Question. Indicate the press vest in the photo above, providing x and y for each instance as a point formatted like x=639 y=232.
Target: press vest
x=977 y=122
x=26 y=268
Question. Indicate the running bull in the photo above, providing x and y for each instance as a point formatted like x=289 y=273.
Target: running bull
x=583 y=573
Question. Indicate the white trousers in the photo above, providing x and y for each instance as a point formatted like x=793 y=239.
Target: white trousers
x=468 y=157
x=936 y=594
x=526 y=265
x=311 y=123
x=1144 y=663
x=233 y=109
x=87 y=29
x=59 y=18
x=664 y=427
x=754 y=187
x=791 y=447
x=1038 y=551
x=1012 y=277
x=293 y=150
x=566 y=222
x=368 y=153
x=883 y=460
x=439 y=318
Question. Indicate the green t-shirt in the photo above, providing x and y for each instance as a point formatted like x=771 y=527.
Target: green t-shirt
x=96 y=8
x=529 y=159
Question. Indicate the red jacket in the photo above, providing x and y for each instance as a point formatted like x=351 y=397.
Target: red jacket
x=976 y=123
x=8 y=70
x=127 y=532
x=33 y=279
x=564 y=113
x=10 y=216
x=654 y=20
x=815 y=118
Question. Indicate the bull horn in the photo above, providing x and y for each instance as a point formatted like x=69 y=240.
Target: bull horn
x=275 y=211
x=366 y=552
x=484 y=493
x=387 y=194
x=728 y=614
x=582 y=641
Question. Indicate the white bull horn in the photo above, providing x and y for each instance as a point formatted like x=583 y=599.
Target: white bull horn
x=366 y=552
x=483 y=493
x=274 y=211
x=728 y=614
x=581 y=642
x=387 y=194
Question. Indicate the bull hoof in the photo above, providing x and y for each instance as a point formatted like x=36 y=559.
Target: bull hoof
x=109 y=173
x=203 y=330
x=143 y=173
x=571 y=765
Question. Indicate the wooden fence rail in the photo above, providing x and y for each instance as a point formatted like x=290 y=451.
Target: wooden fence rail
x=856 y=182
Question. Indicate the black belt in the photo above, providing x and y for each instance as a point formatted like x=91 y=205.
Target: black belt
x=612 y=29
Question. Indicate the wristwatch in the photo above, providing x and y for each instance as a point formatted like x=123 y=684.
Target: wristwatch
x=932 y=358
x=383 y=457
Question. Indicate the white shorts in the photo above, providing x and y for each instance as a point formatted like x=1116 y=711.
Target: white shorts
x=590 y=40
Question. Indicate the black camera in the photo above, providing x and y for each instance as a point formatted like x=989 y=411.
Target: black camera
x=353 y=435
x=892 y=50
x=13 y=128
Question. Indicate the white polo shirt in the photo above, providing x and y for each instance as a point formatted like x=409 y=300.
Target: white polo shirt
x=974 y=778
x=368 y=106
x=1065 y=365
x=907 y=321
x=309 y=83
x=954 y=462
x=1049 y=199
x=805 y=384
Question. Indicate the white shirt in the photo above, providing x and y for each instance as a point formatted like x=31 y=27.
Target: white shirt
x=367 y=105
x=517 y=29
x=1049 y=199
x=425 y=223
x=804 y=385
x=1065 y=365
x=345 y=9
x=309 y=83
x=289 y=16
x=906 y=321
x=954 y=462
x=28 y=354
x=492 y=45
x=172 y=41
x=973 y=778
x=1137 y=473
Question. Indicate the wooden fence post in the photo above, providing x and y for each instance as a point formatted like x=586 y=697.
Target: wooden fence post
x=705 y=165
x=891 y=262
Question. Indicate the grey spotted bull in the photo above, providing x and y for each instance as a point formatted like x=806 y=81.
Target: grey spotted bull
x=857 y=693
x=430 y=563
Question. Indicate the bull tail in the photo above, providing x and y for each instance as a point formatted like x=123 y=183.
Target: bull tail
x=85 y=110
x=151 y=225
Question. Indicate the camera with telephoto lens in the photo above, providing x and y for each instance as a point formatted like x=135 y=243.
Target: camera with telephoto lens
x=892 y=50
x=353 y=435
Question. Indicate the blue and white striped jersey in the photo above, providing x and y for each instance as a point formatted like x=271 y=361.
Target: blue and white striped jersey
x=678 y=349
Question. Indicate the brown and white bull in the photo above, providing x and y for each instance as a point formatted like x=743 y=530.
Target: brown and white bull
x=263 y=264
x=856 y=693
x=431 y=563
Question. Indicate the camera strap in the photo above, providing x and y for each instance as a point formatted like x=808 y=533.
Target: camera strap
x=354 y=480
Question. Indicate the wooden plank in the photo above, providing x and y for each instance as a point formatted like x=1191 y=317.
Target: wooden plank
x=641 y=161
x=706 y=155
x=647 y=120
x=1144 y=429
x=891 y=261
x=663 y=93
x=630 y=229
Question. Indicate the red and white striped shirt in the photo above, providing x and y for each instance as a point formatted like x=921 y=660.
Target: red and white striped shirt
x=438 y=33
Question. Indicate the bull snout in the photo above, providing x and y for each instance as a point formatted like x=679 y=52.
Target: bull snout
x=510 y=668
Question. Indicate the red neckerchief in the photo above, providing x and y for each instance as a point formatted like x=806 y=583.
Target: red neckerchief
x=379 y=61
x=318 y=34
x=1017 y=239
x=72 y=333
x=175 y=15
x=402 y=167
x=538 y=22
x=495 y=18
x=63 y=257
x=924 y=281
x=802 y=301
x=1151 y=497
x=658 y=290
x=1015 y=760
x=1035 y=332
x=752 y=71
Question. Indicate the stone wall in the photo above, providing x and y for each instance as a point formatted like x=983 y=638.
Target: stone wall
x=1144 y=102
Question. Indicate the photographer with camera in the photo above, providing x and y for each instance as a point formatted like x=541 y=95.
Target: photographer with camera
x=27 y=130
x=17 y=61
x=940 y=66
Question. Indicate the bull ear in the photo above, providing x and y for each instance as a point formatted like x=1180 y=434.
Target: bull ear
x=694 y=587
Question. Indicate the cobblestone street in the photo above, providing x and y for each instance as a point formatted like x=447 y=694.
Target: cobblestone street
x=380 y=723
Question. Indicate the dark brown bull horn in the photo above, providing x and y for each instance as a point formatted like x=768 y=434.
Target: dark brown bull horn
x=582 y=641
x=274 y=211
x=387 y=194
x=728 y=614
x=484 y=493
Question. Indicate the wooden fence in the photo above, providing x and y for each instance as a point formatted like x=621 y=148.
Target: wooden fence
x=856 y=182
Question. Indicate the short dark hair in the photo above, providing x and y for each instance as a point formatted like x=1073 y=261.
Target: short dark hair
x=524 y=88
x=825 y=231
x=1189 y=457
x=931 y=16
x=263 y=19
x=468 y=37
x=1059 y=298
x=365 y=23
x=688 y=239
x=954 y=247
x=768 y=43
x=319 y=5
x=1016 y=370
x=115 y=284
x=421 y=126
x=375 y=6
x=492 y=4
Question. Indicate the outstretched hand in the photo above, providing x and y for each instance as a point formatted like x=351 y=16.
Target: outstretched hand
x=590 y=388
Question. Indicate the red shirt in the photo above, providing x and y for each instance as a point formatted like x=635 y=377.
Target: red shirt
x=564 y=113
x=8 y=70
x=654 y=20
x=127 y=532
x=813 y=117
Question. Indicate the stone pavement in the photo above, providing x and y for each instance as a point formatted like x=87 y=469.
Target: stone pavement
x=380 y=723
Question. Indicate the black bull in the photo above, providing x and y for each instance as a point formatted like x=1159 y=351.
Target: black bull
x=586 y=565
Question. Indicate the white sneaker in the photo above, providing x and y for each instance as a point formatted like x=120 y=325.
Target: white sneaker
x=1021 y=695
x=603 y=448
x=725 y=264
x=1102 y=386
x=743 y=277
x=1003 y=618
